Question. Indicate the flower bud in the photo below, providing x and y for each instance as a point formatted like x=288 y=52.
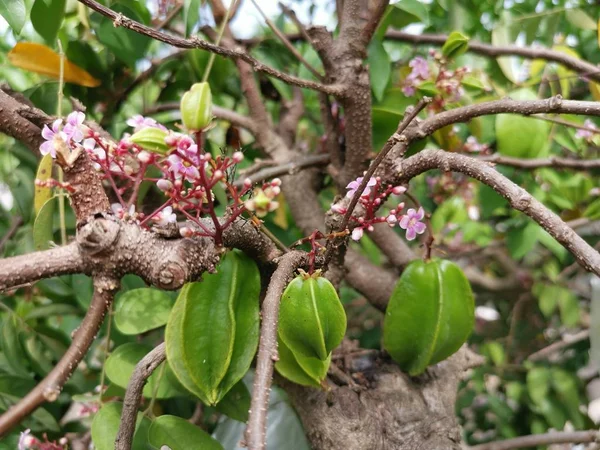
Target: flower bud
x=196 y=107
x=151 y=139
x=238 y=157
x=164 y=185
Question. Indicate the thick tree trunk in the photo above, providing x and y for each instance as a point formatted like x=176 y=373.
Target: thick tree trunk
x=394 y=412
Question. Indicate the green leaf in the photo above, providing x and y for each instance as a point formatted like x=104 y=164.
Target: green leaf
x=121 y=363
x=140 y=310
x=581 y=19
x=306 y=371
x=380 y=67
x=236 y=403
x=501 y=37
x=401 y=14
x=43 y=194
x=127 y=45
x=191 y=14
x=312 y=320
x=47 y=17
x=15 y=13
x=212 y=333
x=566 y=387
x=521 y=241
x=568 y=306
x=106 y=425
x=456 y=44
x=55 y=309
x=10 y=343
x=178 y=434
x=43 y=227
x=429 y=316
x=538 y=384
x=522 y=137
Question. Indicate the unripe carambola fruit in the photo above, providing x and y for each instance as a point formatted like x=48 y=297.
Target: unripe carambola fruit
x=430 y=314
x=312 y=320
x=151 y=139
x=196 y=107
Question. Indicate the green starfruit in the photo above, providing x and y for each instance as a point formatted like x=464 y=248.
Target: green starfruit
x=151 y=139
x=196 y=107
x=312 y=320
x=300 y=369
x=429 y=316
x=212 y=333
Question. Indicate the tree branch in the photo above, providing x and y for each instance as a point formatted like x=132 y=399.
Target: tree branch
x=518 y=197
x=133 y=394
x=23 y=269
x=256 y=429
x=195 y=42
x=534 y=440
x=50 y=387
x=554 y=162
x=580 y=66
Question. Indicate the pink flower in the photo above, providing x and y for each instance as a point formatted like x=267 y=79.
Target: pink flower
x=411 y=222
x=420 y=68
x=354 y=185
x=139 y=122
x=74 y=127
x=181 y=168
x=52 y=135
x=120 y=212
x=25 y=440
x=165 y=217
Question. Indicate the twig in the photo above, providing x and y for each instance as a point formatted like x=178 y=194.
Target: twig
x=554 y=162
x=50 y=387
x=534 y=440
x=288 y=44
x=12 y=229
x=133 y=394
x=374 y=20
x=291 y=14
x=565 y=342
x=195 y=42
x=289 y=168
x=580 y=66
x=256 y=429
x=566 y=123
x=224 y=22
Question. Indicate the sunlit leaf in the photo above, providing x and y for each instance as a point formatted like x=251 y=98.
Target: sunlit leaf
x=15 y=13
x=43 y=227
x=47 y=17
x=41 y=59
x=42 y=193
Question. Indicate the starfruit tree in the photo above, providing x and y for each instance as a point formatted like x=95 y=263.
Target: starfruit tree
x=309 y=224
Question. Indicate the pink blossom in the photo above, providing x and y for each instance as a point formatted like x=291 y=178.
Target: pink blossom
x=398 y=190
x=164 y=185
x=181 y=168
x=52 y=135
x=139 y=122
x=391 y=220
x=120 y=212
x=165 y=217
x=25 y=440
x=238 y=157
x=354 y=185
x=411 y=222
x=74 y=126
x=420 y=68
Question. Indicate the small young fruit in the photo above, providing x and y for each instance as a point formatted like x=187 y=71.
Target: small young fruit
x=312 y=320
x=151 y=139
x=429 y=316
x=196 y=107
x=300 y=369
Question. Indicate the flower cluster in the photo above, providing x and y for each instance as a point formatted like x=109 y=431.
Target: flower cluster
x=175 y=162
x=472 y=145
x=29 y=442
x=444 y=84
x=371 y=199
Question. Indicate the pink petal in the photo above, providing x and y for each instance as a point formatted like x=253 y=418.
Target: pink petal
x=357 y=233
x=411 y=213
x=47 y=133
x=419 y=227
x=410 y=234
x=404 y=222
x=48 y=148
x=420 y=214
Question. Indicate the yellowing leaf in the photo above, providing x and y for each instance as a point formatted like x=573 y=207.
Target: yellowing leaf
x=280 y=219
x=42 y=193
x=595 y=90
x=41 y=59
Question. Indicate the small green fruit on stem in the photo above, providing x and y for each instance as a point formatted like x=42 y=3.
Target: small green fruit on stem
x=430 y=314
x=196 y=107
x=151 y=139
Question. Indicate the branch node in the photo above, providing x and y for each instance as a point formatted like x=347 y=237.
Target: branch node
x=98 y=235
x=51 y=393
x=118 y=22
x=555 y=102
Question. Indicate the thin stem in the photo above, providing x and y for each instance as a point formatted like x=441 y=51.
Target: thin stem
x=61 y=198
x=148 y=411
x=105 y=353
x=222 y=28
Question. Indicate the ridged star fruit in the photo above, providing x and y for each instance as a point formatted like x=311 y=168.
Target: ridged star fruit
x=196 y=107
x=429 y=316
x=312 y=320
